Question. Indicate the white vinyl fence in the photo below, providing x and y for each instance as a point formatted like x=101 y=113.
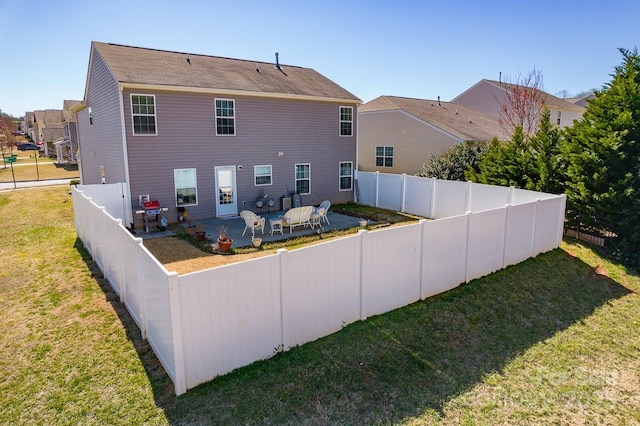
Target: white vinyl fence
x=210 y=322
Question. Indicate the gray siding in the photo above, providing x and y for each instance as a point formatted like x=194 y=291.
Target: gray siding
x=101 y=143
x=305 y=131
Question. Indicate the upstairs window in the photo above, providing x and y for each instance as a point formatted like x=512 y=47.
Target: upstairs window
x=90 y=117
x=303 y=179
x=225 y=117
x=262 y=175
x=143 y=111
x=559 y=117
x=384 y=156
x=346 y=176
x=346 y=121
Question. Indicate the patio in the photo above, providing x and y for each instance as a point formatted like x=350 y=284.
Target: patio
x=235 y=225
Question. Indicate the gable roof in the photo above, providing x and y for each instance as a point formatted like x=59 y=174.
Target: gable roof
x=553 y=102
x=137 y=66
x=464 y=123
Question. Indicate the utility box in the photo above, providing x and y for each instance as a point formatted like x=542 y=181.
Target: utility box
x=285 y=203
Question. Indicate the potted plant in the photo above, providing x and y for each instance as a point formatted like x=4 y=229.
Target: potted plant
x=200 y=232
x=224 y=241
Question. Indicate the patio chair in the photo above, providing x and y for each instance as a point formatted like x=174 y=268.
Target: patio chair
x=253 y=221
x=322 y=210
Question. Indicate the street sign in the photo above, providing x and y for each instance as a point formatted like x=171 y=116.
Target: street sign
x=10 y=159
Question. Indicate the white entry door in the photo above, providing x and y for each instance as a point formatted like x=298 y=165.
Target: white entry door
x=226 y=200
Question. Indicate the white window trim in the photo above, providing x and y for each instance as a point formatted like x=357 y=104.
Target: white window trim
x=295 y=177
x=384 y=155
x=270 y=175
x=175 y=187
x=215 y=113
x=155 y=114
x=340 y=121
x=340 y=176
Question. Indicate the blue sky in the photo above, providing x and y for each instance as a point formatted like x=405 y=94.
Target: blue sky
x=422 y=49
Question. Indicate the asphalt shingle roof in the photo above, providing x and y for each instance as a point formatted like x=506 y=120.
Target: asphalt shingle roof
x=463 y=123
x=137 y=65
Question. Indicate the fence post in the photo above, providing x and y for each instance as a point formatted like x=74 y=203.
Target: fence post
x=403 y=192
x=284 y=325
x=432 y=215
x=561 y=215
x=504 y=242
x=535 y=227
x=423 y=277
x=143 y=304
x=466 y=248
x=361 y=265
x=376 y=187
x=469 y=190
x=180 y=383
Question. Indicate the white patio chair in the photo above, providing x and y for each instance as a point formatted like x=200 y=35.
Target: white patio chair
x=253 y=221
x=322 y=210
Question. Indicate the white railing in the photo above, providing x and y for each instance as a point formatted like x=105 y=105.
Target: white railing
x=210 y=322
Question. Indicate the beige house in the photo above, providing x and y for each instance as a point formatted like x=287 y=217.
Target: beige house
x=398 y=135
x=486 y=96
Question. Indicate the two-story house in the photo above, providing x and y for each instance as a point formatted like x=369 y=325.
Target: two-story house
x=212 y=134
x=487 y=96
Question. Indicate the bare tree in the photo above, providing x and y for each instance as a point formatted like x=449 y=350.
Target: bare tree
x=523 y=104
x=7 y=139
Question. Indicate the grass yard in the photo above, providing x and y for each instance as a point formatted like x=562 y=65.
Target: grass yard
x=553 y=340
x=25 y=169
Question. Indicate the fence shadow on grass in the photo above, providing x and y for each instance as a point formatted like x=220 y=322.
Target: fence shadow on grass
x=393 y=366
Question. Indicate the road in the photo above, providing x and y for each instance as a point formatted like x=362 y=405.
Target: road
x=34 y=183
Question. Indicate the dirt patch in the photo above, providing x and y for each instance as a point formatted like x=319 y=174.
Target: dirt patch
x=179 y=256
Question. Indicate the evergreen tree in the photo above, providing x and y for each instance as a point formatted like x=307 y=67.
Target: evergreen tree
x=603 y=154
x=525 y=162
x=455 y=162
x=506 y=164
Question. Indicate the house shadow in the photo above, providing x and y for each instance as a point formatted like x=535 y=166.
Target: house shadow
x=69 y=167
x=393 y=366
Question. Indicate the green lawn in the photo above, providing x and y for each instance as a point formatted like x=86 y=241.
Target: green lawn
x=553 y=340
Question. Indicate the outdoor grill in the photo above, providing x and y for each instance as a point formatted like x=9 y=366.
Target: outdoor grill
x=152 y=213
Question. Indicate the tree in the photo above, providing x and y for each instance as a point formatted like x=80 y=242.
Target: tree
x=523 y=103
x=528 y=162
x=603 y=154
x=455 y=162
x=7 y=138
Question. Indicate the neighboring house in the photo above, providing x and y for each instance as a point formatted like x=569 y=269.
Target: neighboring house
x=67 y=146
x=212 y=134
x=47 y=129
x=583 y=100
x=487 y=95
x=398 y=135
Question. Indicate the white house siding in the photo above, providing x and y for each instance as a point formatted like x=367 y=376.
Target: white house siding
x=304 y=131
x=103 y=99
x=413 y=141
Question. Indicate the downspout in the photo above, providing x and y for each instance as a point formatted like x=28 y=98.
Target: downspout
x=127 y=208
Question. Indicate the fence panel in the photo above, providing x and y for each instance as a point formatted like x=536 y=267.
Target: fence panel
x=549 y=224
x=418 y=195
x=487 y=197
x=320 y=289
x=521 y=196
x=366 y=188
x=485 y=242
x=445 y=254
x=110 y=196
x=156 y=315
x=519 y=236
x=390 y=191
x=114 y=268
x=450 y=199
x=230 y=317
x=390 y=268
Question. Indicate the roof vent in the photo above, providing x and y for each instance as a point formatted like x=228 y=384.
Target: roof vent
x=278 y=67
x=439 y=104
